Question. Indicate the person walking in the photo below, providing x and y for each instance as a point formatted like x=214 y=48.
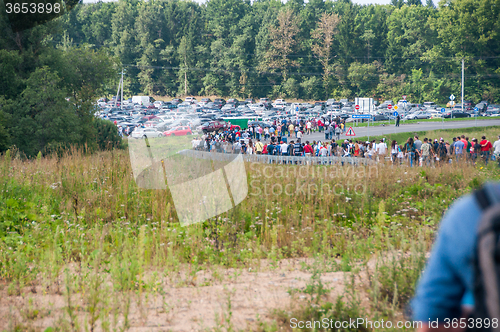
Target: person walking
x=327 y=132
x=475 y=150
x=426 y=150
x=397 y=120
x=486 y=148
x=356 y=149
x=442 y=151
x=284 y=149
x=259 y=147
x=299 y=134
x=370 y=151
x=297 y=149
x=458 y=148
x=308 y=150
x=394 y=151
x=459 y=263
x=410 y=150
x=496 y=150
x=381 y=150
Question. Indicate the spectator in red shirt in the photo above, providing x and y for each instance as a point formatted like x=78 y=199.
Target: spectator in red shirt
x=308 y=150
x=320 y=125
x=464 y=140
x=485 y=149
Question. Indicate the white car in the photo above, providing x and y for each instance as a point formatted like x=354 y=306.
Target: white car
x=279 y=103
x=146 y=133
x=436 y=114
x=418 y=115
x=158 y=104
x=430 y=104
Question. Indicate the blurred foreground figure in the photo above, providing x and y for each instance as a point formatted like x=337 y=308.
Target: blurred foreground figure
x=460 y=287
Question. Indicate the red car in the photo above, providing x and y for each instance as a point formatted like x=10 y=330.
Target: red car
x=214 y=126
x=178 y=131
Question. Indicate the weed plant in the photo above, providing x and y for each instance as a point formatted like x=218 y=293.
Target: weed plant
x=78 y=227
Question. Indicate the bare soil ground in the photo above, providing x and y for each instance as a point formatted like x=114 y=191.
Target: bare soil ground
x=209 y=300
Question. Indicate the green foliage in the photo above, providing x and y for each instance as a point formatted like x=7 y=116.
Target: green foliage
x=314 y=50
x=47 y=95
x=393 y=283
x=240 y=49
x=106 y=135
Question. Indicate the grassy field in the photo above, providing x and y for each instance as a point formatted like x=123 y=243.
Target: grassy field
x=83 y=248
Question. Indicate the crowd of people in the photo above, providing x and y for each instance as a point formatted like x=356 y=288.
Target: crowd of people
x=433 y=151
x=288 y=140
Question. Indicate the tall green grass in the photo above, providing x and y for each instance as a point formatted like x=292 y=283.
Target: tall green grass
x=78 y=226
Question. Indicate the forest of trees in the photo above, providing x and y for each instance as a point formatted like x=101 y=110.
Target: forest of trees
x=51 y=75
x=314 y=50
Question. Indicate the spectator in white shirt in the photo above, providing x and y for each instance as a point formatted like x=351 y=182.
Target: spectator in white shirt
x=284 y=149
x=496 y=147
x=496 y=151
x=381 y=149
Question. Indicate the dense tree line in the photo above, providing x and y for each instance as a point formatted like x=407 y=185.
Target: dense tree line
x=52 y=74
x=317 y=50
x=48 y=92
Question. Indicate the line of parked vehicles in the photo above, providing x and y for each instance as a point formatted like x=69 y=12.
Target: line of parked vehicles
x=142 y=116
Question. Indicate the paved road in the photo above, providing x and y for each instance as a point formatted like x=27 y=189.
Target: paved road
x=378 y=130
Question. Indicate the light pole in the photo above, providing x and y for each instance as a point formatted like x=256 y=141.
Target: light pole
x=463 y=85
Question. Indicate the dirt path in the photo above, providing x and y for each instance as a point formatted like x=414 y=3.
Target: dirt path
x=211 y=299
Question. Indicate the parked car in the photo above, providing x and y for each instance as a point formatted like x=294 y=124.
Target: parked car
x=158 y=104
x=385 y=104
x=492 y=111
x=169 y=107
x=436 y=114
x=149 y=132
x=457 y=114
x=322 y=104
x=419 y=115
x=481 y=107
x=430 y=104
x=258 y=123
x=214 y=126
x=178 y=131
x=468 y=105
x=380 y=117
